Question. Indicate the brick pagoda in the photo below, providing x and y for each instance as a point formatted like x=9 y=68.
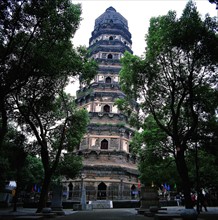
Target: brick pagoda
x=109 y=169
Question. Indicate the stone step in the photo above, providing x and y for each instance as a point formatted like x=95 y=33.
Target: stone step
x=29 y=217
x=101 y=204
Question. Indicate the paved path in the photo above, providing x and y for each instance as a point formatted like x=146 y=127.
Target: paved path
x=130 y=214
x=104 y=214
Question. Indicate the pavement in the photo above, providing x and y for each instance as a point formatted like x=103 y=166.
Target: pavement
x=101 y=214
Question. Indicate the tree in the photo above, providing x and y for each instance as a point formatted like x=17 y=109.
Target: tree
x=15 y=159
x=56 y=124
x=180 y=65
x=148 y=145
x=35 y=42
x=37 y=61
x=69 y=166
x=32 y=173
x=208 y=174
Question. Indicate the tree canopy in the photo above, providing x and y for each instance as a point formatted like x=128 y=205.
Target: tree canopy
x=37 y=60
x=35 y=43
x=176 y=82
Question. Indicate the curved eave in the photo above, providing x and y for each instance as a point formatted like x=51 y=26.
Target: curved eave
x=113 y=167
x=90 y=91
x=118 y=30
x=115 y=127
x=95 y=48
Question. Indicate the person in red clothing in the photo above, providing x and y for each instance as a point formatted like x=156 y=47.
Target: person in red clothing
x=193 y=197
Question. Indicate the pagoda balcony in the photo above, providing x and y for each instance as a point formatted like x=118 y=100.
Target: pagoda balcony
x=119 y=31
x=109 y=69
x=110 y=88
x=110 y=115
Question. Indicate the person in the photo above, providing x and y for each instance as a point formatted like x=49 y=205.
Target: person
x=193 y=198
x=202 y=201
x=178 y=199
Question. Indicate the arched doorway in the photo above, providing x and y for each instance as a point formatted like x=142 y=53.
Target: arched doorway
x=106 y=108
x=110 y=56
x=108 y=80
x=104 y=145
x=133 y=192
x=70 y=187
x=102 y=191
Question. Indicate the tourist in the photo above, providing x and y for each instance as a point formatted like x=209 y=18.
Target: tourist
x=178 y=199
x=202 y=201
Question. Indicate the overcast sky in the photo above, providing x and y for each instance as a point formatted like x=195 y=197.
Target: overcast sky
x=137 y=13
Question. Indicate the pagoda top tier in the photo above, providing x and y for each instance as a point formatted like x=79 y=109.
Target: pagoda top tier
x=109 y=17
x=111 y=22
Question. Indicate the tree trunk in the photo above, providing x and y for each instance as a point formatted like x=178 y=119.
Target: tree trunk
x=44 y=193
x=183 y=172
x=15 y=200
x=3 y=117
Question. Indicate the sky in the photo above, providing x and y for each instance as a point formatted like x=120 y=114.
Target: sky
x=137 y=13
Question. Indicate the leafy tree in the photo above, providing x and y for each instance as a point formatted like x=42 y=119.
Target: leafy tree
x=179 y=70
x=32 y=172
x=16 y=156
x=37 y=61
x=4 y=167
x=35 y=42
x=148 y=145
x=57 y=125
x=70 y=166
x=208 y=175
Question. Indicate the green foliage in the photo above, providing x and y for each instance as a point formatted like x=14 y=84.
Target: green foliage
x=207 y=173
x=86 y=92
x=37 y=61
x=129 y=108
x=151 y=138
x=14 y=151
x=129 y=77
x=70 y=166
x=36 y=50
x=32 y=171
x=4 y=168
x=124 y=106
x=55 y=122
x=16 y=164
x=77 y=124
x=156 y=164
x=176 y=83
x=162 y=171
x=36 y=33
x=88 y=66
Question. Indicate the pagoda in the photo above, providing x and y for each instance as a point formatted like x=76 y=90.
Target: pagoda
x=109 y=170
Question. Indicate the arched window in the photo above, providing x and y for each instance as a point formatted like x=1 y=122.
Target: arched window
x=104 y=145
x=133 y=187
x=102 y=191
x=108 y=80
x=70 y=186
x=111 y=38
x=106 y=108
x=110 y=56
